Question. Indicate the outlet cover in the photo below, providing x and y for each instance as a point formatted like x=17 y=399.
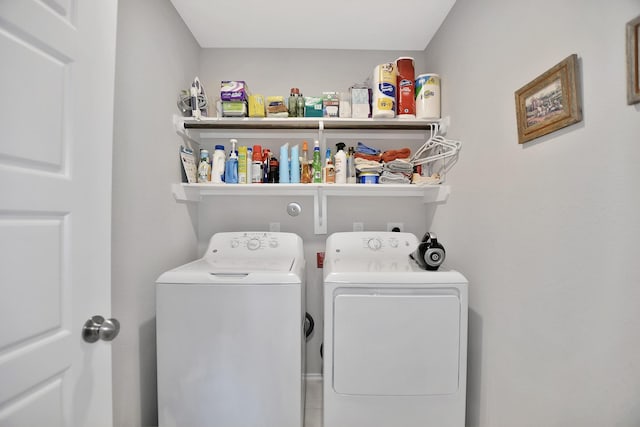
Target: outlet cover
x=358 y=226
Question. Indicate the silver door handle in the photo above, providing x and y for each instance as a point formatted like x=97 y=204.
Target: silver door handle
x=99 y=328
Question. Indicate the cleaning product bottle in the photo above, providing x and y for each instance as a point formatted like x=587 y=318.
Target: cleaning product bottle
x=300 y=102
x=306 y=177
x=266 y=156
x=293 y=102
x=351 y=166
x=249 y=164
x=231 y=166
x=341 y=164
x=317 y=163
x=256 y=165
x=284 y=164
x=294 y=170
x=274 y=170
x=329 y=169
x=218 y=164
x=242 y=164
x=204 y=168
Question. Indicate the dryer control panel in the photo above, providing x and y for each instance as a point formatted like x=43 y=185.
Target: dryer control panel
x=370 y=243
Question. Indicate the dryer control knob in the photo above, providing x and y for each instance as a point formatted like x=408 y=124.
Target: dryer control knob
x=235 y=243
x=374 y=244
x=253 y=244
x=273 y=243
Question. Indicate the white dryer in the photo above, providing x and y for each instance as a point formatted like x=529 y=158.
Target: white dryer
x=230 y=334
x=395 y=336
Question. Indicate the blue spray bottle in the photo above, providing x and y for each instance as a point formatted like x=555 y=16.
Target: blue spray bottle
x=231 y=166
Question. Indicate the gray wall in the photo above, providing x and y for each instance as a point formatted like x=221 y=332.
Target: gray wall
x=547 y=232
x=156 y=56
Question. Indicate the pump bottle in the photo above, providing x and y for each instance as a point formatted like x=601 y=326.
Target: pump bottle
x=231 y=166
x=341 y=164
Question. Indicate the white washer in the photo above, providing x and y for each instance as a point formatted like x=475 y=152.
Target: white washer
x=230 y=334
x=395 y=336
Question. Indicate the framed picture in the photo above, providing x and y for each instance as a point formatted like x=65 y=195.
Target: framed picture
x=550 y=102
x=633 y=53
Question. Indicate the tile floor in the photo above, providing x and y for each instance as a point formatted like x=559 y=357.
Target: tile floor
x=313 y=402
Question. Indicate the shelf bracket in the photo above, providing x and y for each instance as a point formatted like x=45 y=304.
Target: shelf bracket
x=320 y=212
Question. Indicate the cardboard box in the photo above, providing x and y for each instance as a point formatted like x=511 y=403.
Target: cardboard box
x=330 y=104
x=234 y=90
x=359 y=103
x=313 y=106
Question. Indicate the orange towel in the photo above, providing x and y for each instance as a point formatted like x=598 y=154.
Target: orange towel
x=389 y=155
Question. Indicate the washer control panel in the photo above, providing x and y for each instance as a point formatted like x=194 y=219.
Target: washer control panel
x=253 y=242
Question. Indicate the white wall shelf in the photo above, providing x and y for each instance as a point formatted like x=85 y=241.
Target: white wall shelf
x=319 y=192
x=207 y=130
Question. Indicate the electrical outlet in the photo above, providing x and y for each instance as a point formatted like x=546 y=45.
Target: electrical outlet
x=358 y=226
x=392 y=226
x=274 y=227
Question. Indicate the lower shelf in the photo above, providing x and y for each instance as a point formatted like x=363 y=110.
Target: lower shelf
x=319 y=192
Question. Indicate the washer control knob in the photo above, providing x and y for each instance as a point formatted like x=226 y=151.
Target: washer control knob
x=235 y=243
x=374 y=244
x=273 y=243
x=393 y=243
x=253 y=244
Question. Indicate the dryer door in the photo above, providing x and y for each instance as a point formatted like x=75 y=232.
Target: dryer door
x=395 y=342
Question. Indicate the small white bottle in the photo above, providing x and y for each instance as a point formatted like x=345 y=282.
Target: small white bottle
x=340 y=165
x=204 y=168
x=217 y=165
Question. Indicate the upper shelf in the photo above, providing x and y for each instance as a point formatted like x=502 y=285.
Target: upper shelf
x=310 y=123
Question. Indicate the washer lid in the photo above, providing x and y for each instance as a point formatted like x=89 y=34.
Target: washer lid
x=235 y=270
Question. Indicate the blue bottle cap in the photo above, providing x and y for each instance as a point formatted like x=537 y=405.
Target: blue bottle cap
x=220 y=147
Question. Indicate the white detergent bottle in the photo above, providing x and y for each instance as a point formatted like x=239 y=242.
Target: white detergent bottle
x=217 y=166
x=340 y=165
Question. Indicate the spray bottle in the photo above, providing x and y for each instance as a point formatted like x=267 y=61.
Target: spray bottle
x=231 y=166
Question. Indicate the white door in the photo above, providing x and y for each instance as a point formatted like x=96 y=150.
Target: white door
x=57 y=60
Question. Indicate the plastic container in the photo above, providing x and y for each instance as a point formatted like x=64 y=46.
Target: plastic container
x=317 y=163
x=231 y=166
x=218 y=165
x=256 y=165
x=294 y=171
x=204 y=168
x=340 y=164
x=369 y=178
x=284 y=164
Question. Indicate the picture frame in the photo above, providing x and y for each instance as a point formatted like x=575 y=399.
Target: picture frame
x=633 y=53
x=549 y=102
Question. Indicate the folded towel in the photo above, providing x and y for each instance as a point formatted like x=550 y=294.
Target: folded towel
x=361 y=148
x=399 y=165
x=373 y=157
x=393 y=178
x=426 y=180
x=389 y=155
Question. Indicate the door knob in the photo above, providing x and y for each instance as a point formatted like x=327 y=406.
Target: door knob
x=99 y=328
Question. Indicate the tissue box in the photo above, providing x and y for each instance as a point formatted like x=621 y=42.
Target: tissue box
x=233 y=90
x=330 y=104
x=312 y=106
x=359 y=103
